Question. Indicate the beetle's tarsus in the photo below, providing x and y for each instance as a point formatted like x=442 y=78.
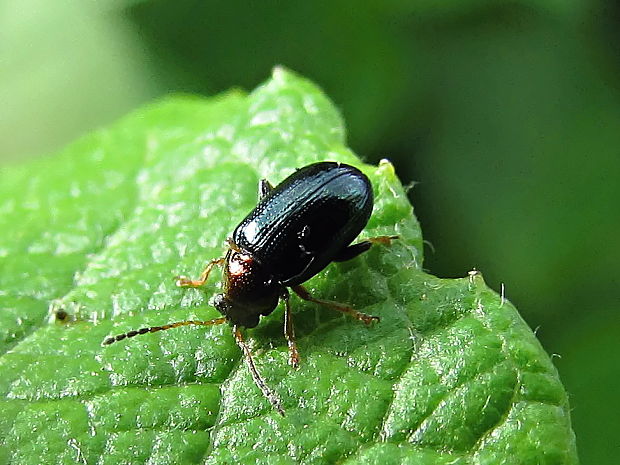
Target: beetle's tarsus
x=383 y=240
x=183 y=281
x=369 y=319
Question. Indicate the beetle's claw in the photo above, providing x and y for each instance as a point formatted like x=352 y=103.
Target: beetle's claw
x=370 y=319
x=182 y=281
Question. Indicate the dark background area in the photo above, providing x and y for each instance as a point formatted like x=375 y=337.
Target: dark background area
x=506 y=117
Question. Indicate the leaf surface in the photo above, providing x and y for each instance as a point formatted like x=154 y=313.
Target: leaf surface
x=451 y=374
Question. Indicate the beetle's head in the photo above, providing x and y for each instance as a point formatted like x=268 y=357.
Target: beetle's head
x=249 y=290
x=236 y=313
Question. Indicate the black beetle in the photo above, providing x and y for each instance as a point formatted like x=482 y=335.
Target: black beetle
x=296 y=230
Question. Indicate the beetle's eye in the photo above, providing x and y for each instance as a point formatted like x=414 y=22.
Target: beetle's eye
x=221 y=303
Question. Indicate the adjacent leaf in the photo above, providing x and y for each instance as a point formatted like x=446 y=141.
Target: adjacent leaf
x=452 y=374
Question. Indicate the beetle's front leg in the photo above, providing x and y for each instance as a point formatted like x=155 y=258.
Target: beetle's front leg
x=304 y=294
x=354 y=250
x=182 y=281
x=258 y=379
x=289 y=331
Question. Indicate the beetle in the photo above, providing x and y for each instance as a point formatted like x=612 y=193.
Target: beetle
x=297 y=228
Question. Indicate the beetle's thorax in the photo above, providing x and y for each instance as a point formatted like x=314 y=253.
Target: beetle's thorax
x=249 y=289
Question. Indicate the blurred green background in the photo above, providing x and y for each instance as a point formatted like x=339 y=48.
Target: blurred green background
x=506 y=115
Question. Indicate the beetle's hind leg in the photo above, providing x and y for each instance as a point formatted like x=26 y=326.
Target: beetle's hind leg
x=289 y=331
x=354 y=250
x=304 y=294
x=182 y=281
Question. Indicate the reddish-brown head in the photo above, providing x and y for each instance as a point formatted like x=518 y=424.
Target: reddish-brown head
x=249 y=290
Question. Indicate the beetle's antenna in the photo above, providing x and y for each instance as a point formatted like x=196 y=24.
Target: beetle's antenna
x=154 y=329
x=258 y=379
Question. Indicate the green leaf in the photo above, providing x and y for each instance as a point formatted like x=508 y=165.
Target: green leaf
x=451 y=374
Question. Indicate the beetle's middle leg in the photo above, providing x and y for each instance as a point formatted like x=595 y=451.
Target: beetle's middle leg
x=304 y=294
x=182 y=281
x=264 y=188
x=289 y=331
